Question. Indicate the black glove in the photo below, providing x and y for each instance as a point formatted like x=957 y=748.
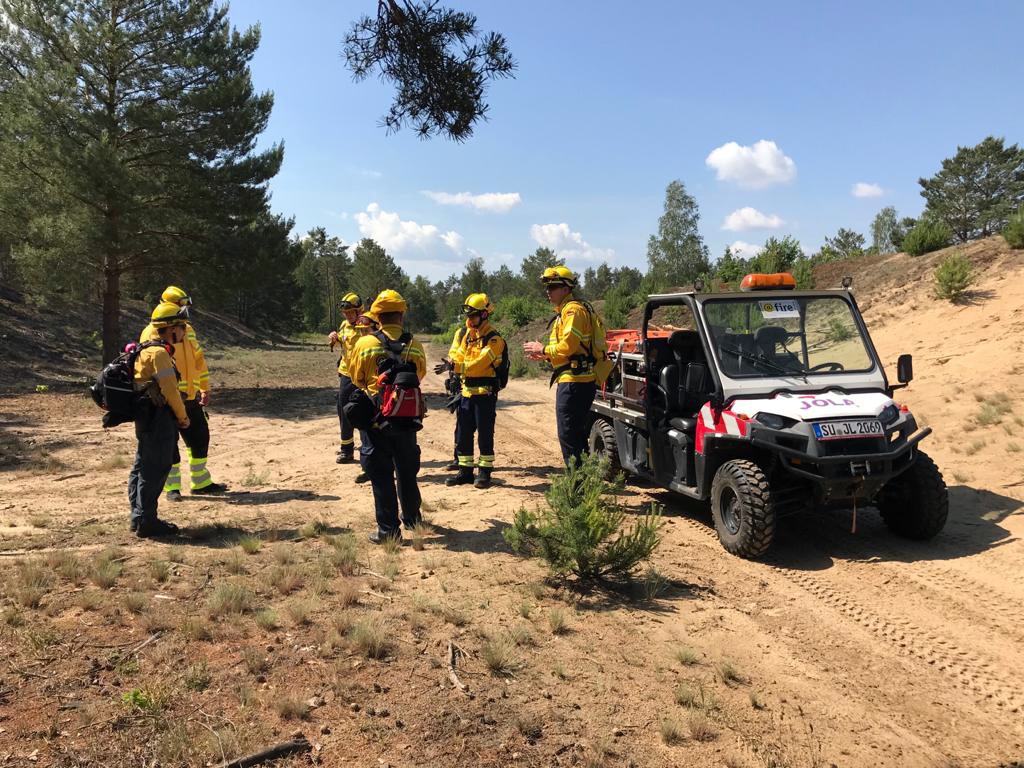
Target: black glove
x=453 y=402
x=444 y=365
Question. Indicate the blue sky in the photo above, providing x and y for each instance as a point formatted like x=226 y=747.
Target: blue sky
x=780 y=108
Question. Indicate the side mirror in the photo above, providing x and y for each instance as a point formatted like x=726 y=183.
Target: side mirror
x=905 y=369
x=696 y=375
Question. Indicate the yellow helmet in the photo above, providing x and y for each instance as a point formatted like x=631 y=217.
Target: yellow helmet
x=351 y=301
x=174 y=295
x=366 y=320
x=559 y=276
x=388 y=301
x=168 y=313
x=477 y=302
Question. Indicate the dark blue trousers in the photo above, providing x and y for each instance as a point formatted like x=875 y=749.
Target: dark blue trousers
x=347 y=431
x=392 y=463
x=572 y=413
x=157 y=433
x=476 y=415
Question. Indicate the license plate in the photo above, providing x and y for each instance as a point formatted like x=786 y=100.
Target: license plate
x=844 y=430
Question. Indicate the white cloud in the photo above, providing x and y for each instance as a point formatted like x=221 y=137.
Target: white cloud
x=403 y=237
x=492 y=202
x=370 y=173
x=751 y=218
x=863 y=189
x=745 y=250
x=754 y=167
x=568 y=244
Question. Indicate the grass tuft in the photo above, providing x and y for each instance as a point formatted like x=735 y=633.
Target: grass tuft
x=250 y=544
x=347 y=594
x=197 y=677
x=285 y=579
x=300 y=612
x=343 y=554
x=499 y=654
x=686 y=656
x=266 y=620
x=159 y=570
x=700 y=727
x=136 y=602
x=255 y=660
x=292 y=707
x=671 y=730
x=370 y=638
x=234 y=562
x=530 y=725
x=228 y=598
x=314 y=529
x=557 y=621
x=729 y=672
x=195 y=628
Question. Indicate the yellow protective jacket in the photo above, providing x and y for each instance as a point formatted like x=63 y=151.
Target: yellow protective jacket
x=476 y=363
x=347 y=337
x=368 y=350
x=571 y=343
x=188 y=359
x=154 y=368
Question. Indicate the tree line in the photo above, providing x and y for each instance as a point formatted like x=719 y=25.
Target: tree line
x=129 y=159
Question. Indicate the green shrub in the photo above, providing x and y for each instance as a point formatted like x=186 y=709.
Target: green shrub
x=583 y=530
x=953 y=277
x=445 y=337
x=927 y=235
x=1014 y=230
x=519 y=367
x=518 y=311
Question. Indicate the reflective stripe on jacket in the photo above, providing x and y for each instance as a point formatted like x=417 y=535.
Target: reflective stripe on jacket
x=476 y=361
x=347 y=336
x=571 y=337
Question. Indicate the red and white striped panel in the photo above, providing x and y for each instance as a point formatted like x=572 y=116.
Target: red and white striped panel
x=718 y=422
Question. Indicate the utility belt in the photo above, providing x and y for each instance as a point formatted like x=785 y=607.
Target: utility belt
x=480 y=381
x=578 y=365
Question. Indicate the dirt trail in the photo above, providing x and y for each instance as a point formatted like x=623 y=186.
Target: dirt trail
x=853 y=649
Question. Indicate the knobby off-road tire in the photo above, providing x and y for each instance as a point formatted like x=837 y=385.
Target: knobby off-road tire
x=603 y=443
x=915 y=504
x=742 y=508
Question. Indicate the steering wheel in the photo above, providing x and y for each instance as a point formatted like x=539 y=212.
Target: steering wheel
x=829 y=366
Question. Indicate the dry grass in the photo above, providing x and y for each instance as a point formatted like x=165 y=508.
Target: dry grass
x=530 y=725
x=250 y=544
x=522 y=635
x=195 y=628
x=292 y=707
x=700 y=727
x=392 y=546
x=694 y=697
x=228 y=598
x=455 y=616
x=285 y=579
x=420 y=532
x=300 y=612
x=347 y=594
x=284 y=554
x=975 y=446
x=671 y=731
x=558 y=621
x=67 y=566
x=159 y=570
x=313 y=529
x=234 y=562
x=136 y=602
x=104 y=573
x=33 y=581
x=255 y=660
x=370 y=638
x=525 y=609
x=993 y=408
x=176 y=554
x=499 y=654
x=729 y=673
x=266 y=620
x=391 y=567
x=1012 y=447
x=686 y=656
x=344 y=554
x=197 y=677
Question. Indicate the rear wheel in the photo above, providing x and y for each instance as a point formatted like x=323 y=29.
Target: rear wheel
x=603 y=444
x=741 y=506
x=916 y=503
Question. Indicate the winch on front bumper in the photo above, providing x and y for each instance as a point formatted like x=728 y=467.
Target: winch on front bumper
x=842 y=470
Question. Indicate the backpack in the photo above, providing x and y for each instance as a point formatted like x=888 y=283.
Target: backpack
x=594 y=357
x=114 y=390
x=399 y=394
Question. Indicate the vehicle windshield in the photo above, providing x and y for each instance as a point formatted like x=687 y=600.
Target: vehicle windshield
x=765 y=337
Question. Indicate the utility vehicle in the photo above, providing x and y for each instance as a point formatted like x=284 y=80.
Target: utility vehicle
x=766 y=402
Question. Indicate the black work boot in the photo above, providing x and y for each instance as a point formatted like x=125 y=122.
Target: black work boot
x=453 y=465
x=483 y=478
x=155 y=528
x=465 y=477
x=346 y=455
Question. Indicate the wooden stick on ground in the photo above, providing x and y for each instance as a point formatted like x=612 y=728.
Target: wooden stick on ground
x=451 y=669
x=270 y=753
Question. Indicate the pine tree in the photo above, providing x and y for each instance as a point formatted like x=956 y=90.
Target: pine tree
x=978 y=189
x=134 y=122
x=533 y=267
x=677 y=254
x=373 y=271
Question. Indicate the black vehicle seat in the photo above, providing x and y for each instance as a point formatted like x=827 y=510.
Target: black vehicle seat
x=733 y=349
x=771 y=344
x=686 y=347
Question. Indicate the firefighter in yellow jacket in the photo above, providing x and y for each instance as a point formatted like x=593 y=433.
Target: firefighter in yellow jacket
x=346 y=336
x=194 y=385
x=392 y=457
x=570 y=351
x=476 y=361
x=453 y=386
x=158 y=417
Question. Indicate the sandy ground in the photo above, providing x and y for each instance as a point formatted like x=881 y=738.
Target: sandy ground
x=851 y=649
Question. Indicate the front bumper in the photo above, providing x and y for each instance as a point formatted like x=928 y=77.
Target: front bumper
x=843 y=477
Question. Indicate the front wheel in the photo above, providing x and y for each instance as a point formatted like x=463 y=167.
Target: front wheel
x=915 y=504
x=742 y=508
x=604 y=445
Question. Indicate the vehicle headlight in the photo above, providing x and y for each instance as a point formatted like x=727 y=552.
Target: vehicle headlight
x=889 y=415
x=774 y=421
